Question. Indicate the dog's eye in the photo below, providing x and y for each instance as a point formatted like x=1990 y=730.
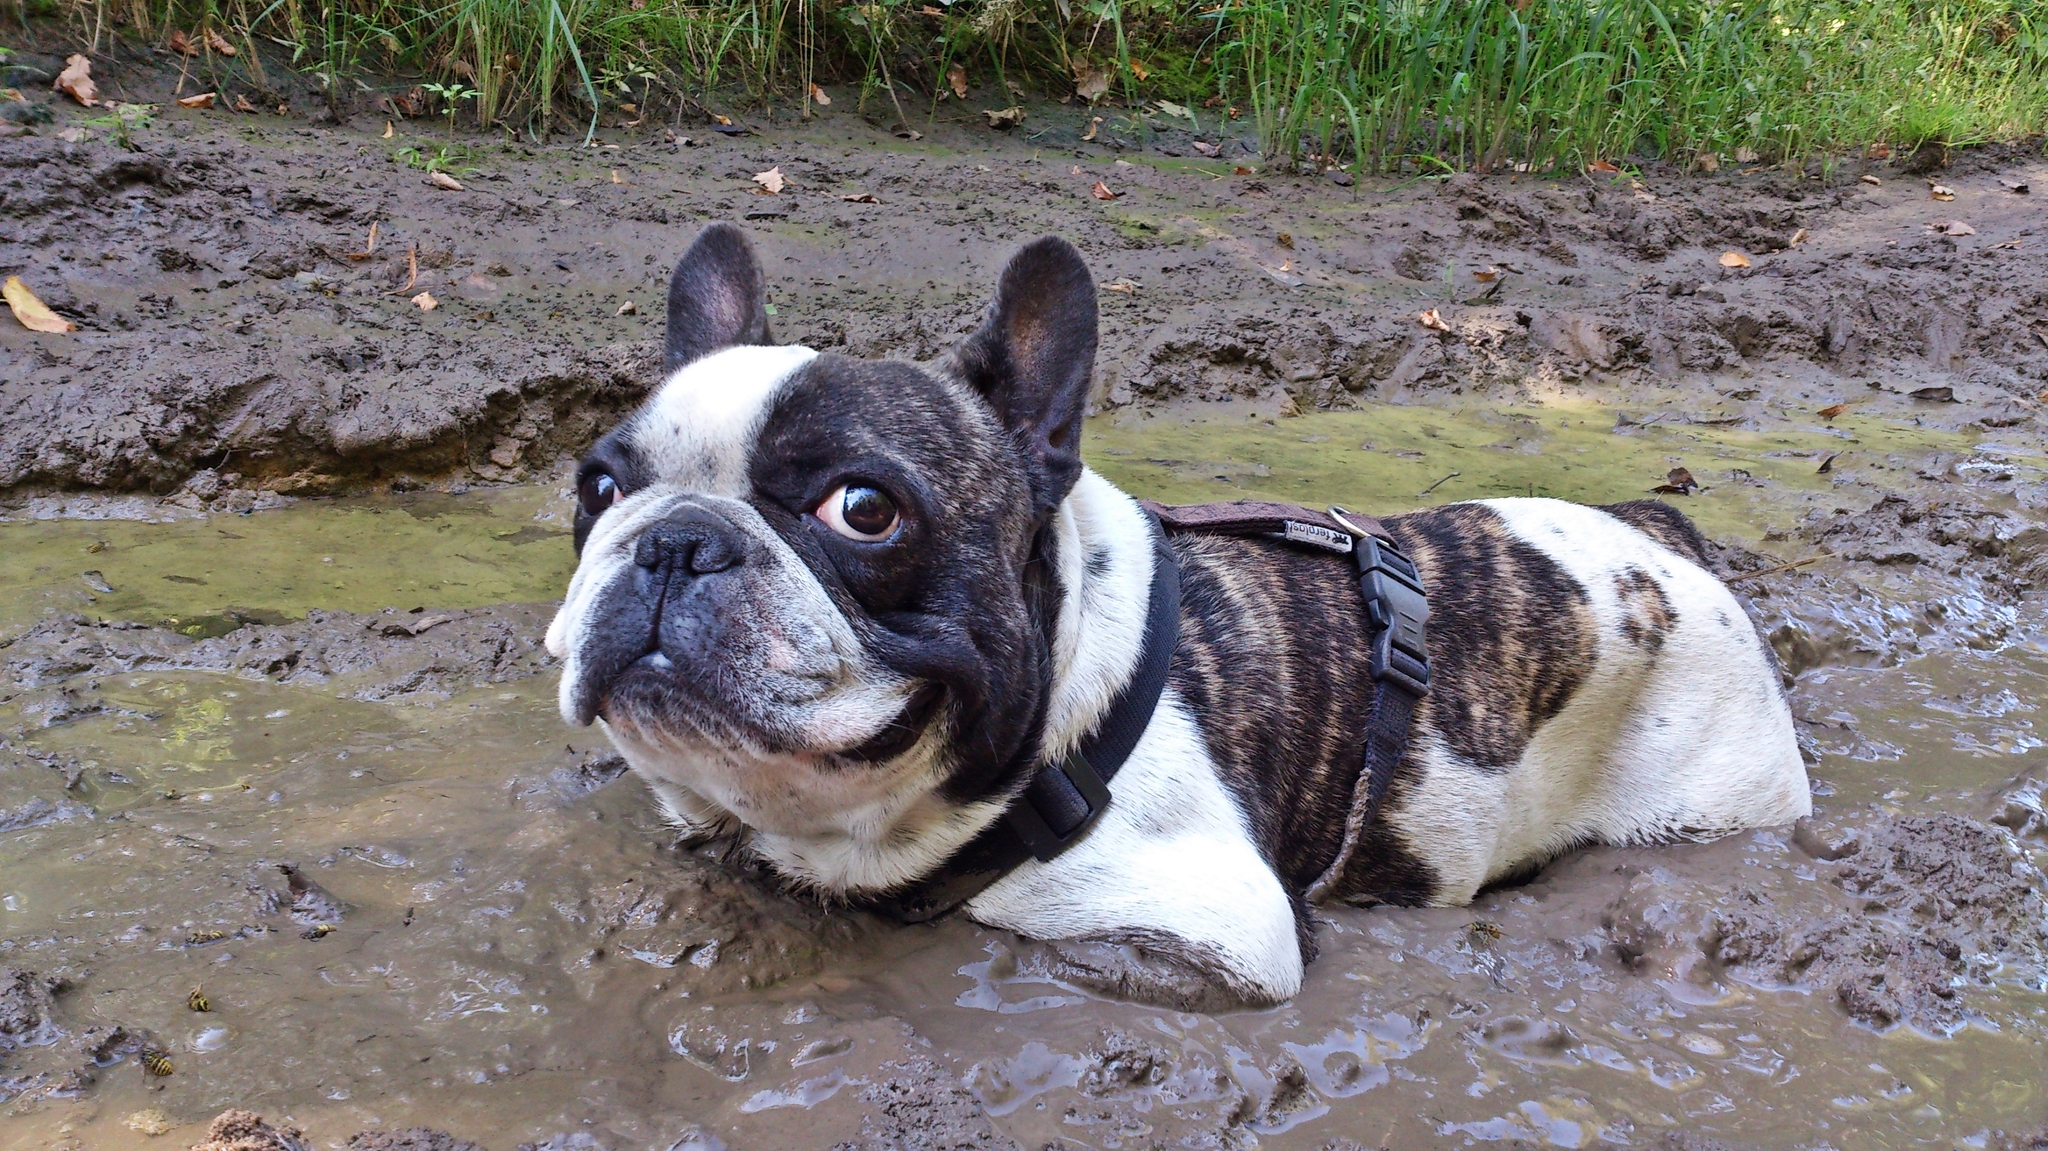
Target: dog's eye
x=859 y=513
x=597 y=492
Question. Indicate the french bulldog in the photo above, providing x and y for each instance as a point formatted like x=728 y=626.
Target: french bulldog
x=840 y=611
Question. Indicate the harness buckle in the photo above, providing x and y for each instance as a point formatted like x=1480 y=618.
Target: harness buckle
x=1397 y=613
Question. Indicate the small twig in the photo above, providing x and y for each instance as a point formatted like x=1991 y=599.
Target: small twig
x=1777 y=569
x=1438 y=484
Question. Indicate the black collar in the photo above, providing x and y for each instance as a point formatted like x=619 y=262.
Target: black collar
x=1062 y=800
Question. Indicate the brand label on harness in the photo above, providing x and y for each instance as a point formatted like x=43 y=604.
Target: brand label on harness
x=1315 y=535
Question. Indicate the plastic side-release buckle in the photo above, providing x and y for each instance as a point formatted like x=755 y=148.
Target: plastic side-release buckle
x=1030 y=823
x=1398 y=614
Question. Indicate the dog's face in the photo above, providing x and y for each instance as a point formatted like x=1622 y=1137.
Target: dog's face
x=813 y=589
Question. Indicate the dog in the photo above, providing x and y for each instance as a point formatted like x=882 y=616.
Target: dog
x=840 y=611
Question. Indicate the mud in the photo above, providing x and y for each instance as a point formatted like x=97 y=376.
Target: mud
x=277 y=547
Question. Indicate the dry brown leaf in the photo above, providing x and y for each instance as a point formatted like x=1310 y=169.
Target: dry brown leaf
x=928 y=10
x=1486 y=275
x=1101 y=191
x=2016 y=187
x=1833 y=410
x=2007 y=244
x=445 y=181
x=770 y=181
x=1941 y=191
x=1880 y=152
x=724 y=121
x=1709 y=162
x=1094 y=126
x=1871 y=180
x=1951 y=228
x=629 y=308
x=387 y=131
x=1090 y=84
x=1602 y=166
x=1124 y=286
x=1431 y=320
x=1798 y=237
x=615 y=177
x=201 y=100
x=219 y=43
x=818 y=95
x=242 y=104
x=426 y=302
x=369 y=246
x=860 y=198
x=1284 y=239
x=34 y=315
x=75 y=81
x=956 y=79
x=1241 y=170
x=1138 y=70
x=1746 y=155
x=181 y=44
x=1207 y=149
x=1733 y=259
x=412 y=269
x=1005 y=118
x=1678 y=482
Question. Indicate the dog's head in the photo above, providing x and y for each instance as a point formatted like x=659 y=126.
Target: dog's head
x=813 y=589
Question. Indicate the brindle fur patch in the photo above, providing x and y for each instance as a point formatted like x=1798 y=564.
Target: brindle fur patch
x=1646 y=612
x=1665 y=524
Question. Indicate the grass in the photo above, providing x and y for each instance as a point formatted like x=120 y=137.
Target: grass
x=1374 y=84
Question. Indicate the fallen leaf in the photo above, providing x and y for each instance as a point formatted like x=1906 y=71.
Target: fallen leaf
x=181 y=44
x=1871 y=180
x=1833 y=410
x=1101 y=191
x=629 y=308
x=369 y=246
x=1004 y=118
x=1937 y=395
x=818 y=95
x=284 y=109
x=1431 y=320
x=387 y=130
x=1241 y=170
x=2007 y=244
x=445 y=181
x=202 y=100
x=770 y=181
x=75 y=81
x=956 y=79
x=1232 y=111
x=1090 y=83
x=1732 y=259
x=1746 y=155
x=412 y=269
x=34 y=315
x=1207 y=149
x=2016 y=187
x=1094 y=125
x=1827 y=465
x=1170 y=108
x=1941 y=191
x=1798 y=237
x=1951 y=228
x=1602 y=166
x=1677 y=482
x=1486 y=275
x=928 y=10
x=910 y=134
x=1880 y=152
x=1707 y=162
x=426 y=302
x=242 y=104
x=615 y=177
x=219 y=43
x=1138 y=70
x=1124 y=286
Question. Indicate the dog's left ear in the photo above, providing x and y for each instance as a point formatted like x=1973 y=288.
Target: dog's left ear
x=1032 y=359
x=717 y=297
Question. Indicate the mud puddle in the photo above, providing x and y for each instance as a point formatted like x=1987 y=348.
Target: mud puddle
x=490 y=933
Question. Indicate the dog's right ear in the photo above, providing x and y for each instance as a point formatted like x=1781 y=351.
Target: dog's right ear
x=716 y=299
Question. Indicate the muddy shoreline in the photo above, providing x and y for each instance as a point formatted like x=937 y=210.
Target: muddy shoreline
x=278 y=544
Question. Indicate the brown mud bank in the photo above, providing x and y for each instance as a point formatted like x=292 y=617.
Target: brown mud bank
x=296 y=761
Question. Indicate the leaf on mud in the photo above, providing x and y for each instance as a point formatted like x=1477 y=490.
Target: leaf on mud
x=387 y=131
x=34 y=315
x=1746 y=155
x=369 y=246
x=181 y=44
x=1833 y=410
x=1285 y=240
x=1941 y=191
x=1798 y=237
x=412 y=269
x=2007 y=244
x=1094 y=126
x=426 y=302
x=1101 y=191
x=202 y=100
x=1168 y=107
x=819 y=97
x=1871 y=180
x=1734 y=259
x=444 y=180
x=1879 y=151
x=1124 y=286
x=1090 y=83
x=1709 y=162
x=1486 y=275
x=242 y=104
x=219 y=43
x=1939 y=395
x=2016 y=187
x=75 y=81
x=860 y=198
x=1950 y=228
x=1826 y=465
x=1241 y=170
x=1677 y=482
x=909 y=134
x=770 y=181
x=629 y=308
x=956 y=79
x=1602 y=166
x=1431 y=320
x=1004 y=118
x=1208 y=149
x=616 y=178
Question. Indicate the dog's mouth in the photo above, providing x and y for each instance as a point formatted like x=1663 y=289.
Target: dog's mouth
x=647 y=693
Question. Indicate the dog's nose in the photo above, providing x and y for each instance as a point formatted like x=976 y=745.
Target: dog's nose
x=692 y=542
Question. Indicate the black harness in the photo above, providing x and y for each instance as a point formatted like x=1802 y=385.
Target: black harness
x=1064 y=799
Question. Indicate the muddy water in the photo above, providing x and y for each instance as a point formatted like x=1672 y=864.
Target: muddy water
x=503 y=943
